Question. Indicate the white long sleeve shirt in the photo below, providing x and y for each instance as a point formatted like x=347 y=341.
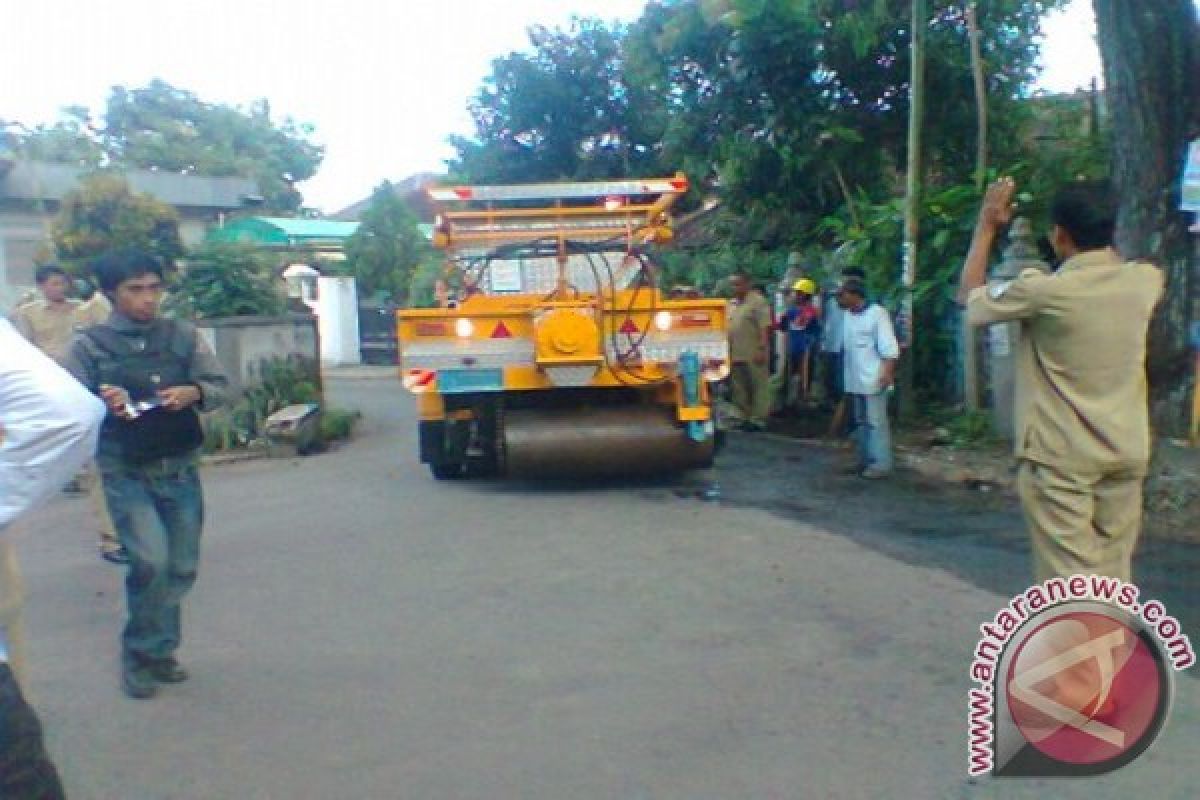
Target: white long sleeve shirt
x=867 y=341
x=48 y=425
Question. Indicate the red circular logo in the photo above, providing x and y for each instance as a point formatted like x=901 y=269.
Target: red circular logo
x=1085 y=688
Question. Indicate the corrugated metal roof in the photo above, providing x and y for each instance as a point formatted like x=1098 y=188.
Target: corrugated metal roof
x=285 y=231
x=37 y=180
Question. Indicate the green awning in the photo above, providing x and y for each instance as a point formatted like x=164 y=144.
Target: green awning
x=285 y=231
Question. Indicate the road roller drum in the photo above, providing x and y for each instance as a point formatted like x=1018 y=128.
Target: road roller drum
x=598 y=442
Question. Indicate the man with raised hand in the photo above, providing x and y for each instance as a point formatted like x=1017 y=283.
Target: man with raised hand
x=1082 y=435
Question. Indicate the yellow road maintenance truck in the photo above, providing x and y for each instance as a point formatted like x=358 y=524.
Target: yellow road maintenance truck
x=557 y=355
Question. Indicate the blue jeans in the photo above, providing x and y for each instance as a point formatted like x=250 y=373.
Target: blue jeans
x=157 y=510
x=872 y=431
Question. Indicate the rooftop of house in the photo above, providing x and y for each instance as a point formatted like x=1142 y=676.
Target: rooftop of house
x=44 y=181
x=286 y=231
x=411 y=190
x=302 y=228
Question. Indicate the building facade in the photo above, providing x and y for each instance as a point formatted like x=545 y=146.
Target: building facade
x=32 y=191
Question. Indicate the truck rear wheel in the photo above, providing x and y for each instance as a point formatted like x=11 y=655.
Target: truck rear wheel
x=448 y=471
x=443 y=448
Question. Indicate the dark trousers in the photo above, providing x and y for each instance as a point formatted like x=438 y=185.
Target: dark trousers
x=831 y=377
x=26 y=772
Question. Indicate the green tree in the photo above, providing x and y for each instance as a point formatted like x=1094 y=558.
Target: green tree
x=563 y=111
x=421 y=292
x=104 y=213
x=223 y=279
x=675 y=64
x=801 y=105
x=160 y=126
x=70 y=140
x=164 y=127
x=386 y=250
x=791 y=109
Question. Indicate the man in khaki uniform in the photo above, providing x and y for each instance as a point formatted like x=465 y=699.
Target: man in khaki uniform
x=49 y=321
x=749 y=338
x=95 y=309
x=1082 y=422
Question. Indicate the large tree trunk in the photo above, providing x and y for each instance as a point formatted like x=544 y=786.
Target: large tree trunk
x=1151 y=54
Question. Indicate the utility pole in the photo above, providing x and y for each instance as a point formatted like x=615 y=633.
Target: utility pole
x=912 y=205
x=970 y=364
x=981 y=104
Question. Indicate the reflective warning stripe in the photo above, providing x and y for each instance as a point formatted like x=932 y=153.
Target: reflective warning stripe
x=668 y=347
x=455 y=354
x=550 y=191
x=671 y=345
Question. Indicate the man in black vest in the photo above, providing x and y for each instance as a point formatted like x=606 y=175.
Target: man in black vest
x=152 y=374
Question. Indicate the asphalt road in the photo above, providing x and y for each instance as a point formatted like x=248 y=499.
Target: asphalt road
x=360 y=631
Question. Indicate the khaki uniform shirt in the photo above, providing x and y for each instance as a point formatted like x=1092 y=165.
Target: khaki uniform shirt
x=50 y=328
x=93 y=312
x=747 y=320
x=1081 y=392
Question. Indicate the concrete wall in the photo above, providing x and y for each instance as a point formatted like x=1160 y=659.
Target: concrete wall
x=22 y=235
x=242 y=344
x=337 y=310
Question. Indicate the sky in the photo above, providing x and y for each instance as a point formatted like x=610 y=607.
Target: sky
x=383 y=81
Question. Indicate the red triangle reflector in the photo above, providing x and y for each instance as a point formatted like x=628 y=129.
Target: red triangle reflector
x=629 y=326
x=501 y=331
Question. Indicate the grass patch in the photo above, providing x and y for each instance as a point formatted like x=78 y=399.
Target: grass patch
x=962 y=429
x=338 y=424
x=971 y=430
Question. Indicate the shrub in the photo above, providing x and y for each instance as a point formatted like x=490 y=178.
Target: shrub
x=284 y=382
x=227 y=280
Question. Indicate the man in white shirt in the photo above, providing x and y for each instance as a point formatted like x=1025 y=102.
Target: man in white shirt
x=869 y=353
x=48 y=430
